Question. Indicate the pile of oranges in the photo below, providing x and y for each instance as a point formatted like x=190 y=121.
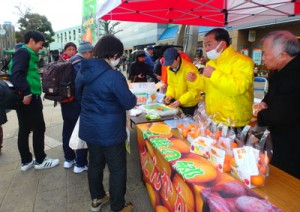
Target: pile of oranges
x=190 y=130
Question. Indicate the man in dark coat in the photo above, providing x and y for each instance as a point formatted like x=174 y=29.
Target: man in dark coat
x=279 y=110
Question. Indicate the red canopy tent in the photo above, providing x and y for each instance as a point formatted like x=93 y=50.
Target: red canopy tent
x=219 y=13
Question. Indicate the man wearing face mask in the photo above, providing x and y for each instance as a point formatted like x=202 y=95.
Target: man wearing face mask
x=180 y=92
x=227 y=81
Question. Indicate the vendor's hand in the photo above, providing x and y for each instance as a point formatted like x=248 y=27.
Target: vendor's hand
x=158 y=77
x=177 y=103
x=208 y=70
x=191 y=76
x=167 y=100
x=27 y=100
x=141 y=76
x=262 y=106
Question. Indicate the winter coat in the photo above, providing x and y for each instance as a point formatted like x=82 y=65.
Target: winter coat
x=229 y=91
x=180 y=88
x=283 y=116
x=25 y=76
x=105 y=97
x=143 y=68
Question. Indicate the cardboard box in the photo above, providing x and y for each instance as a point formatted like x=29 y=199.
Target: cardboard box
x=145 y=92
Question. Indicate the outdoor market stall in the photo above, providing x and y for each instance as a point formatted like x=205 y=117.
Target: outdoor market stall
x=178 y=180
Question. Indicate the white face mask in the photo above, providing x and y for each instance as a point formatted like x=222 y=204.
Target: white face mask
x=114 y=63
x=213 y=54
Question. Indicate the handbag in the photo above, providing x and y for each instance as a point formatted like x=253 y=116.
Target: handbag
x=75 y=142
x=9 y=97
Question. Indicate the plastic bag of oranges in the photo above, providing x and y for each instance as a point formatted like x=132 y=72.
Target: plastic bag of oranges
x=251 y=161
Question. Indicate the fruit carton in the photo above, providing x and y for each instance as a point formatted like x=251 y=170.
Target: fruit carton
x=245 y=166
x=201 y=146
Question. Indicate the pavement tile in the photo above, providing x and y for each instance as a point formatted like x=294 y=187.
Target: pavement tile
x=53 y=200
x=52 y=179
x=5 y=181
x=51 y=143
x=20 y=197
x=57 y=189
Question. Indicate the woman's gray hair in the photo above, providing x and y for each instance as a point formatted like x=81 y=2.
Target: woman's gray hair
x=283 y=40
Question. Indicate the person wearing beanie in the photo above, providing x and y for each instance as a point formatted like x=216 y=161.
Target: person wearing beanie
x=70 y=112
x=85 y=46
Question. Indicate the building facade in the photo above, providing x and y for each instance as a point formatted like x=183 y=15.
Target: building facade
x=7 y=37
x=72 y=34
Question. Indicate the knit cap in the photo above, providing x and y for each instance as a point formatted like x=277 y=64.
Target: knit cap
x=85 y=46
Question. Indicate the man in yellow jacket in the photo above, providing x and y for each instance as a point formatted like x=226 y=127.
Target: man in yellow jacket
x=227 y=81
x=181 y=92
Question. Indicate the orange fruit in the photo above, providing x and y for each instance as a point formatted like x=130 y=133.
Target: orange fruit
x=207 y=172
x=179 y=145
x=160 y=128
x=257 y=180
x=207 y=132
x=180 y=126
x=194 y=133
x=263 y=159
x=190 y=126
x=262 y=169
x=154 y=195
x=160 y=208
x=184 y=132
x=218 y=134
x=234 y=145
x=198 y=199
x=184 y=191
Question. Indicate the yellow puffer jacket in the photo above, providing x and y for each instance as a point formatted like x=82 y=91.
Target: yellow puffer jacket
x=179 y=88
x=229 y=90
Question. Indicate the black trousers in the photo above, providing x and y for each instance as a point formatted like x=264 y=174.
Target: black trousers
x=31 y=118
x=116 y=158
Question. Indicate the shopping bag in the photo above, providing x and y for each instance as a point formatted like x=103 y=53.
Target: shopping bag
x=75 y=142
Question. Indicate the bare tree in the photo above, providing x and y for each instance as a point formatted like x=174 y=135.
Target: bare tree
x=108 y=27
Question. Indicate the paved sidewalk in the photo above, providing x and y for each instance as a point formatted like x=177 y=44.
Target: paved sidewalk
x=56 y=189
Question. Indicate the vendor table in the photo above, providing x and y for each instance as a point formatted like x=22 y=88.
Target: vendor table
x=178 y=180
x=141 y=118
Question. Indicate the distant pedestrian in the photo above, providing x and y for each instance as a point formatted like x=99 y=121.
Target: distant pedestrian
x=5 y=62
x=105 y=97
x=70 y=112
x=149 y=57
x=139 y=69
x=26 y=79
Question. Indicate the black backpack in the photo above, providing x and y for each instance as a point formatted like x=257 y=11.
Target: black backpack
x=57 y=81
x=9 y=97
